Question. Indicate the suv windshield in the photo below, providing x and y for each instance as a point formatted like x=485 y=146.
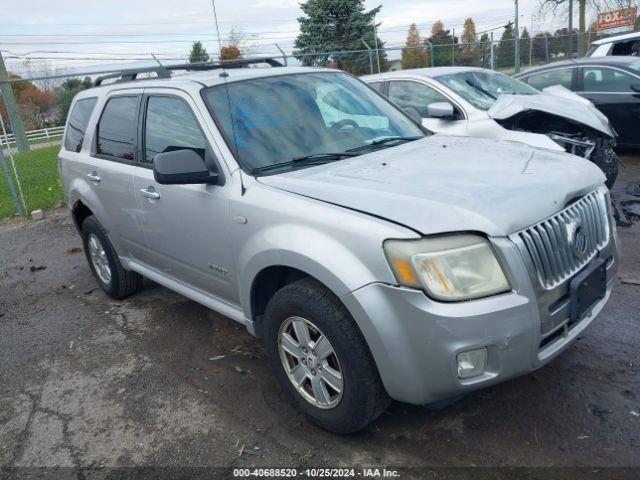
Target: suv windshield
x=279 y=121
x=482 y=88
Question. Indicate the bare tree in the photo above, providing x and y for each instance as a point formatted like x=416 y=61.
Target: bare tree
x=40 y=68
x=598 y=5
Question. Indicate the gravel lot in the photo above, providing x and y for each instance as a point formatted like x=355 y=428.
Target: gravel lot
x=159 y=380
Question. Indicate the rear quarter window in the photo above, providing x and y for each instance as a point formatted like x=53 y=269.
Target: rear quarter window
x=377 y=86
x=77 y=124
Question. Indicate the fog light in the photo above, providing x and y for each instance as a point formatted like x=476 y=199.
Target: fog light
x=472 y=363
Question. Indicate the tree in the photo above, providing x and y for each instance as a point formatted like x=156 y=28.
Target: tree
x=525 y=47
x=539 y=53
x=582 y=39
x=330 y=26
x=507 y=48
x=67 y=91
x=198 y=53
x=38 y=108
x=439 y=38
x=233 y=49
x=414 y=55
x=468 y=40
x=485 y=50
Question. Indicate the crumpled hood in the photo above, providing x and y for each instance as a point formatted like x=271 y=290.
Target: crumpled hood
x=556 y=100
x=446 y=184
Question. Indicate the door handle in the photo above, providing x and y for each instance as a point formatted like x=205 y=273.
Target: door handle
x=93 y=176
x=150 y=192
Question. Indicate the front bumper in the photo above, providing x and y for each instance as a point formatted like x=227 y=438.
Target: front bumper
x=415 y=340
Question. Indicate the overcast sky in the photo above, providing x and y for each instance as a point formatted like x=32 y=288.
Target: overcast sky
x=112 y=30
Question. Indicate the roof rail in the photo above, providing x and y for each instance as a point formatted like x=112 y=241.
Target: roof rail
x=164 y=71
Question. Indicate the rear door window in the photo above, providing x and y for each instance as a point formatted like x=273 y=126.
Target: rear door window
x=601 y=79
x=77 y=124
x=170 y=125
x=116 y=132
x=561 y=76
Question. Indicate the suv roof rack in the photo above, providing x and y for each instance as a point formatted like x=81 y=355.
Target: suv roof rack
x=164 y=71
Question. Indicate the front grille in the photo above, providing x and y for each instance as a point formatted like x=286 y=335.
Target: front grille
x=552 y=245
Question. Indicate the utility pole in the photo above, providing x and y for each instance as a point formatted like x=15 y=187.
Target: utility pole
x=430 y=51
x=517 y=35
x=370 y=56
x=12 y=109
x=375 y=40
x=570 y=37
x=546 y=47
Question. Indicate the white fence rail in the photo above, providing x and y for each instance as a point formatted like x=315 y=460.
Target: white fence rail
x=52 y=133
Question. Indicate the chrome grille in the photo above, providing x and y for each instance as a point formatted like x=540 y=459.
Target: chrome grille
x=549 y=243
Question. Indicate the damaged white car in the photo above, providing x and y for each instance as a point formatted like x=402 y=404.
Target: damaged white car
x=482 y=103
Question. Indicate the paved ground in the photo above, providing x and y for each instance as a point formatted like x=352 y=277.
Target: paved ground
x=89 y=382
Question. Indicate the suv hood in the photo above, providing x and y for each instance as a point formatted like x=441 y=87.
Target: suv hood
x=555 y=100
x=447 y=184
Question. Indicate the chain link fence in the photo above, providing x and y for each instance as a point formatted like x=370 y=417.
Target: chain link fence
x=30 y=179
x=32 y=126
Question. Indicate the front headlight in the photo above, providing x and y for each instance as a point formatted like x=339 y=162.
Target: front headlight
x=449 y=268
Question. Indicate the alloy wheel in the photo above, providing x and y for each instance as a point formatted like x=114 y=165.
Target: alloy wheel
x=310 y=362
x=99 y=259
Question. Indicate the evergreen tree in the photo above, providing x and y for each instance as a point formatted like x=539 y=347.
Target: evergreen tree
x=334 y=26
x=198 y=53
x=539 y=48
x=525 y=47
x=442 y=42
x=506 y=49
x=414 y=55
x=66 y=91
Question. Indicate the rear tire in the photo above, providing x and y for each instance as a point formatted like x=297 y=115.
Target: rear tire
x=104 y=263
x=359 y=396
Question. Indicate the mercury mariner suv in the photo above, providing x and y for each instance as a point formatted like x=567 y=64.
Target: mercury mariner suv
x=377 y=261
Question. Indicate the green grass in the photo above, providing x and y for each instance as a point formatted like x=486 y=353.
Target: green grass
x=39 y=180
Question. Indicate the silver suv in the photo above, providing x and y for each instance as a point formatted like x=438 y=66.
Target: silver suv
x=377 y=261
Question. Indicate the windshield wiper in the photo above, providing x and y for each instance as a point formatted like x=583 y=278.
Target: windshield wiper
x=313 y=159
x=481 y=90
x=384 y=141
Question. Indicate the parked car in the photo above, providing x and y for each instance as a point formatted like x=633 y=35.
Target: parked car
x=617 y=45
x=611 y=83
x=376 y=261
x=482 y=103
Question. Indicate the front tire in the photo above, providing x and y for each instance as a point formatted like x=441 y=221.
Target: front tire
x=105 y=265
x=321 y=359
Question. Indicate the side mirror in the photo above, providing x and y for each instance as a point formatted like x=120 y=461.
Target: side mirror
x=443 y=110
x=181 y=167
x=635 y=87
x=413 y=114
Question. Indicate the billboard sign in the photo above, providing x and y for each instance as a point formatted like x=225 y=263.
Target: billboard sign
x=617 y=18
